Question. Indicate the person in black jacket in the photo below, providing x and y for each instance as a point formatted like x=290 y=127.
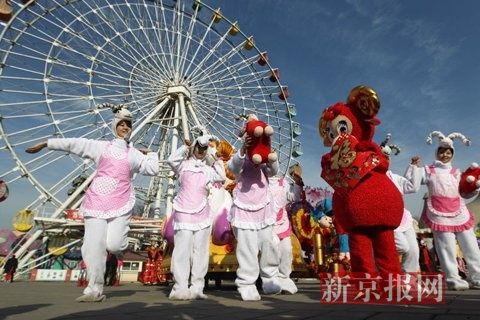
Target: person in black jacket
x=10 y=268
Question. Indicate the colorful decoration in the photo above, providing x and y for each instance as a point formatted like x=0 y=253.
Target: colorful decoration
x=73 y=214
x=150 y=271
x=347 y=167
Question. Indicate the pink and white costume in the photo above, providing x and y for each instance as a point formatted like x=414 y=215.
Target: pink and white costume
x=252 y=217
x=283 y=193
x=109 y=199
x=405 y=236
x=192 y=221
x=450 y=221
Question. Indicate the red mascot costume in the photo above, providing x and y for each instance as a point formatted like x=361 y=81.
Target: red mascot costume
x=259 y=151
x=470 y=180
x=366 y=203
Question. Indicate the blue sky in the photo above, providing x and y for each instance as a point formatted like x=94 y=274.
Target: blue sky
x=420 y=56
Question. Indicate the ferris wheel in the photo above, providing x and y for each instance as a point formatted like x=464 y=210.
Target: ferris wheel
x=175 y=65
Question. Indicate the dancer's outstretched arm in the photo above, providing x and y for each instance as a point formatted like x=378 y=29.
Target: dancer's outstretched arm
x=82 y=147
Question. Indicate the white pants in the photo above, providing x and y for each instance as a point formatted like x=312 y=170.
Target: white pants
x=190 y=255
x=445 y=245
x=286 y=257
x=407 y=246
x=102 y=235
x=249 y=244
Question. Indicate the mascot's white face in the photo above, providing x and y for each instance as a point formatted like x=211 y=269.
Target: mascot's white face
x=340 y=125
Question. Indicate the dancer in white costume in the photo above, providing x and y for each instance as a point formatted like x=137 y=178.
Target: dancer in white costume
x=405 y=235
x=192 y=217
x=447 y=215
x=110 y=198
x=283 y=193
x=252 y=217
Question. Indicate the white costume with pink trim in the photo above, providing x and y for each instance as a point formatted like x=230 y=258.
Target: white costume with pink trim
x=405 y=236
x=109 y=199
x=450 y=221
x=282 y=194
x=252 y=217
x=192 y=220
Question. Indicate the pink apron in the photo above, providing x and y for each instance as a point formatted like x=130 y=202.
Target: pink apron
x=251 y=205
x=444 y=199
x=111 y=190
x=192 y=211
x=445 y=210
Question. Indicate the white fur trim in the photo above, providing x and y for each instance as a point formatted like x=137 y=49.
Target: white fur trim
x=102 y=214
x=250 y=206
x=447 y=141
x=252 y=225
x=192 y=226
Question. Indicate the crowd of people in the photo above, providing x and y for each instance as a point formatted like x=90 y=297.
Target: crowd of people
x=258 y=216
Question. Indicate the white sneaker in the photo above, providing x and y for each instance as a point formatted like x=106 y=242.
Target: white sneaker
x=458 y=285
x=475 y=284
x=176 y=294
x=91 y=298
x=288 y=286
x=249 y=293
x=197 y=294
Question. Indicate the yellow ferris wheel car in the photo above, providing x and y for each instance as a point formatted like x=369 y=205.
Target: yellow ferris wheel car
x=23 y=220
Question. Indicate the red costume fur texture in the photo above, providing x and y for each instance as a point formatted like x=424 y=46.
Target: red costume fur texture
x=470 y=180
x=260 y=132
x=366 y=203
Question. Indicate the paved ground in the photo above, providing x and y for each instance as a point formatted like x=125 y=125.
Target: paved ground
x=51 y=300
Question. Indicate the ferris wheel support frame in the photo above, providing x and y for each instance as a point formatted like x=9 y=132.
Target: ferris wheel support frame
x=183 y=113
x=158 y=196
x=181 y=105
x=87 y=181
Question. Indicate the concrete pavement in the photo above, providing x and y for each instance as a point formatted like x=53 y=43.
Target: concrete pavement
x=55 y=300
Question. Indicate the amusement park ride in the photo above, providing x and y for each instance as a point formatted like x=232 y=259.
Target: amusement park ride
x=175 y=64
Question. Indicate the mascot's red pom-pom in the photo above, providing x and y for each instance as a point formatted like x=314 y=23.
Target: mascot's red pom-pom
x=470 y=180
x=259 y=151
x=366 y=203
